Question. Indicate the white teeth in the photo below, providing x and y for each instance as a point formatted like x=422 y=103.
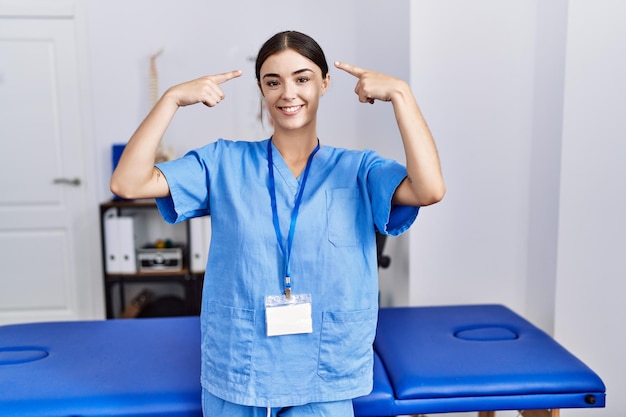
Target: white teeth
x=291 y=109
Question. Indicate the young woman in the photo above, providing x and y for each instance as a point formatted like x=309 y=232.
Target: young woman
x=290 y=291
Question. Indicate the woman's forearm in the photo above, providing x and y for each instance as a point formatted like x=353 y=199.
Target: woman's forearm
x=424 y=185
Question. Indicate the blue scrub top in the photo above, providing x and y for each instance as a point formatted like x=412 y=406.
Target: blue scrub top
x=346 y=199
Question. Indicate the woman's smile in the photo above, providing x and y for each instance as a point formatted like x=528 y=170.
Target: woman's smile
x=290 y=109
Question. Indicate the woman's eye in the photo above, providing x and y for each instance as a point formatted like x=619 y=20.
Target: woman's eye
x=303 y=79
x=272 y=84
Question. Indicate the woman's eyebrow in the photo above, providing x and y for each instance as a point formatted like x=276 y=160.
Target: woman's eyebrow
x=300 y=71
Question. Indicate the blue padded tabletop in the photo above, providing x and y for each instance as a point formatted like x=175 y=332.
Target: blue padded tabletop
x=427 y=360
x=478 y=358
x=139 y=367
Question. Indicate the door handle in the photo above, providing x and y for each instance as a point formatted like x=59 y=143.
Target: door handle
x=67 y=181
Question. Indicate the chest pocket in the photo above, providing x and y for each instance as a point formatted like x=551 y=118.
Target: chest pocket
x=343 y=215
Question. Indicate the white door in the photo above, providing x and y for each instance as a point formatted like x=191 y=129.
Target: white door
x=43 y=243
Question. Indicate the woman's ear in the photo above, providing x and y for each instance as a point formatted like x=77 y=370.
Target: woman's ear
x=325 y=83
x=260 y=88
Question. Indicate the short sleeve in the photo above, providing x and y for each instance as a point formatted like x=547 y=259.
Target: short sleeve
x=383 y=178
x=188 y=180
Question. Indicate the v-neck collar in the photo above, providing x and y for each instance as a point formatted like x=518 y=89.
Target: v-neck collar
x=283 y=170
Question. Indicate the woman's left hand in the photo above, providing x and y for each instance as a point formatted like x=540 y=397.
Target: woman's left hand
x=372 y=85
x=424 y=183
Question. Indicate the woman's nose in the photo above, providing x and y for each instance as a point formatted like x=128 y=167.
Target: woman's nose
x=289 y=91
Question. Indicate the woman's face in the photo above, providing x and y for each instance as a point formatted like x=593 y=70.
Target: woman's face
x=292 y=85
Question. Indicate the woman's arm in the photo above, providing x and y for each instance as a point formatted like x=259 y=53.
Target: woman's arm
x=135 y=175
x=424 y=184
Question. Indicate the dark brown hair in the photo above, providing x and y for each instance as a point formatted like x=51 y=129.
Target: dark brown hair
x=299 y=42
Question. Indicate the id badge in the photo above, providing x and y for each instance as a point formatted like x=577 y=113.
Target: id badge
x=291 y=315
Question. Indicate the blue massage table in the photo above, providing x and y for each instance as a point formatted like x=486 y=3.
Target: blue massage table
x=427 y=360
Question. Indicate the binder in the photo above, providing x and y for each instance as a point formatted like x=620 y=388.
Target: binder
x=199 y=242
x=119 y=237
x=111 y=261
x=126 y=245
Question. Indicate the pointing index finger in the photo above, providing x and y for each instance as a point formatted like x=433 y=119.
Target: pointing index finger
x=226 y=76
x=350 y=69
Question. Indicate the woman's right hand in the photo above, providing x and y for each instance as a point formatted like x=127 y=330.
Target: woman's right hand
x=204 y=90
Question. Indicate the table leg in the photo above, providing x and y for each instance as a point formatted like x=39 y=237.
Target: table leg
x=555 y=412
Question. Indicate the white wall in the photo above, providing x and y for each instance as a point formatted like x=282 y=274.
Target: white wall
x=526 y=101
x=591 y=273
x=545 y=162
x=472 y=68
